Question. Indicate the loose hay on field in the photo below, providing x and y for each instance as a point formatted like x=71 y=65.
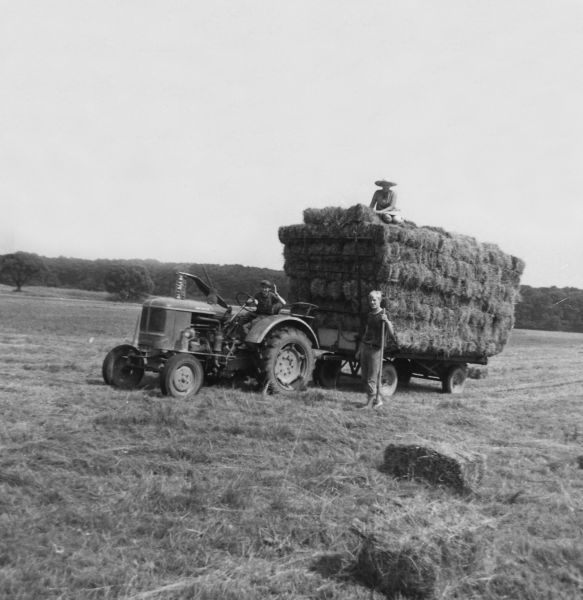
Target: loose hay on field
x=459 y=469
x=446 y=293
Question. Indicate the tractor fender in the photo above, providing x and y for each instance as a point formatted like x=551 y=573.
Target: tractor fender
x=262 y=326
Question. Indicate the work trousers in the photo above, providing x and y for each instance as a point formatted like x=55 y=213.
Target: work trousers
x=370 y=363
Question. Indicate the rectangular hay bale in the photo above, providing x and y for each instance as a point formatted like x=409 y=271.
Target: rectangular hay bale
x=402 y=572
x=435 y=463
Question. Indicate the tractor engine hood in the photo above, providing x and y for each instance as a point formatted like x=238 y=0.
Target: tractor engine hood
x=190 y=306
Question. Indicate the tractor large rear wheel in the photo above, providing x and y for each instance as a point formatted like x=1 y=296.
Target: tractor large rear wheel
x=123 y=367
x=287 y=360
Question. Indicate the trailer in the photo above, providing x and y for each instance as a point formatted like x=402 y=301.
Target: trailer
x=337 y=354
x=398 y=369
x=450 y=297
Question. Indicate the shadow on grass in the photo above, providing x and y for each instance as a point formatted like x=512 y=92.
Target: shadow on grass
x=331 y=566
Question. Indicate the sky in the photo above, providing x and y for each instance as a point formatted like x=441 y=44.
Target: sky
x=190 y=131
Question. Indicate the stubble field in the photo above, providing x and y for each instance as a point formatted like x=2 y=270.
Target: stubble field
x=231 y=495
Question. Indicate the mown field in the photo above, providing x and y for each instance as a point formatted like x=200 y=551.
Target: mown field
x=232 y=495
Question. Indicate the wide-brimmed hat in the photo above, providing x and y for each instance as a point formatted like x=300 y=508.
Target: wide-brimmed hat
x=265 y=283
x=384 y=183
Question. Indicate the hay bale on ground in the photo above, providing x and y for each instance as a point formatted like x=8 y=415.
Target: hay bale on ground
x=437 y=464
x=411 y=553
x=477 y=372
x=402 y=571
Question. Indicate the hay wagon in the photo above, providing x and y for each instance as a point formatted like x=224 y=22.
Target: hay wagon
x=451 y=298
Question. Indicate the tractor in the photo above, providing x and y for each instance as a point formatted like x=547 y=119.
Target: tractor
x=189 y=342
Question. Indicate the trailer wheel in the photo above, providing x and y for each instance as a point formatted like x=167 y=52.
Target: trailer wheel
x=454 y=380
x=182 y=376
x=404 y=371
x=287 y=360
x=389 y=379
x=123 y=367
x=327 y=372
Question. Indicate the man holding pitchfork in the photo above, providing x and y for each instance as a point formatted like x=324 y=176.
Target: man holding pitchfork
x=372 y=348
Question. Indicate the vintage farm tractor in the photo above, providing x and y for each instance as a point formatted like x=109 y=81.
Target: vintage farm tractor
x=187 y=342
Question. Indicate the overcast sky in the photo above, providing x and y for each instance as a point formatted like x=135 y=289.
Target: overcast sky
x=190 y=130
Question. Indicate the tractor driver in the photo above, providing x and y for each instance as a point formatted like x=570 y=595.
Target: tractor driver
x=268 y=301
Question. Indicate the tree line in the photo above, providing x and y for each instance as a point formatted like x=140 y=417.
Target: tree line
x=545 y=308
x=550 y=309
x=131 y=280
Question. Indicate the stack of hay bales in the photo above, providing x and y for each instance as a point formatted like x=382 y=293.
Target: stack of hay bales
x=446 y=293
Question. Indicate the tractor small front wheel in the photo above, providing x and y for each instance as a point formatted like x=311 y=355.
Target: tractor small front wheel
x=182 y=376
x=123 y=367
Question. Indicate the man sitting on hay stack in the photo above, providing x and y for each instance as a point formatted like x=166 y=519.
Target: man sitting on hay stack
x=384 y=202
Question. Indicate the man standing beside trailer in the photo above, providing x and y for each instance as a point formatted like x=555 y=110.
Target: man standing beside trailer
x=371 y=349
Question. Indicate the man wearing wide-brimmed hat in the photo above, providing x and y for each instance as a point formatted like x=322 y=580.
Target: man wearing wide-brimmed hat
x=384 y=202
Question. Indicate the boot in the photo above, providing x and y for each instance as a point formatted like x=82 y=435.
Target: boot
x=369 y=403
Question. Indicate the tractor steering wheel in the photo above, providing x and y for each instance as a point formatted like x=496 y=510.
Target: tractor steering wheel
x=242 y=298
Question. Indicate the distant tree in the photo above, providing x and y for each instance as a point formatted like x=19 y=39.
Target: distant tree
x=128 y=282
x=20 y=268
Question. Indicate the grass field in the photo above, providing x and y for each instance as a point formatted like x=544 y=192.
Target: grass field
x=108 y=494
